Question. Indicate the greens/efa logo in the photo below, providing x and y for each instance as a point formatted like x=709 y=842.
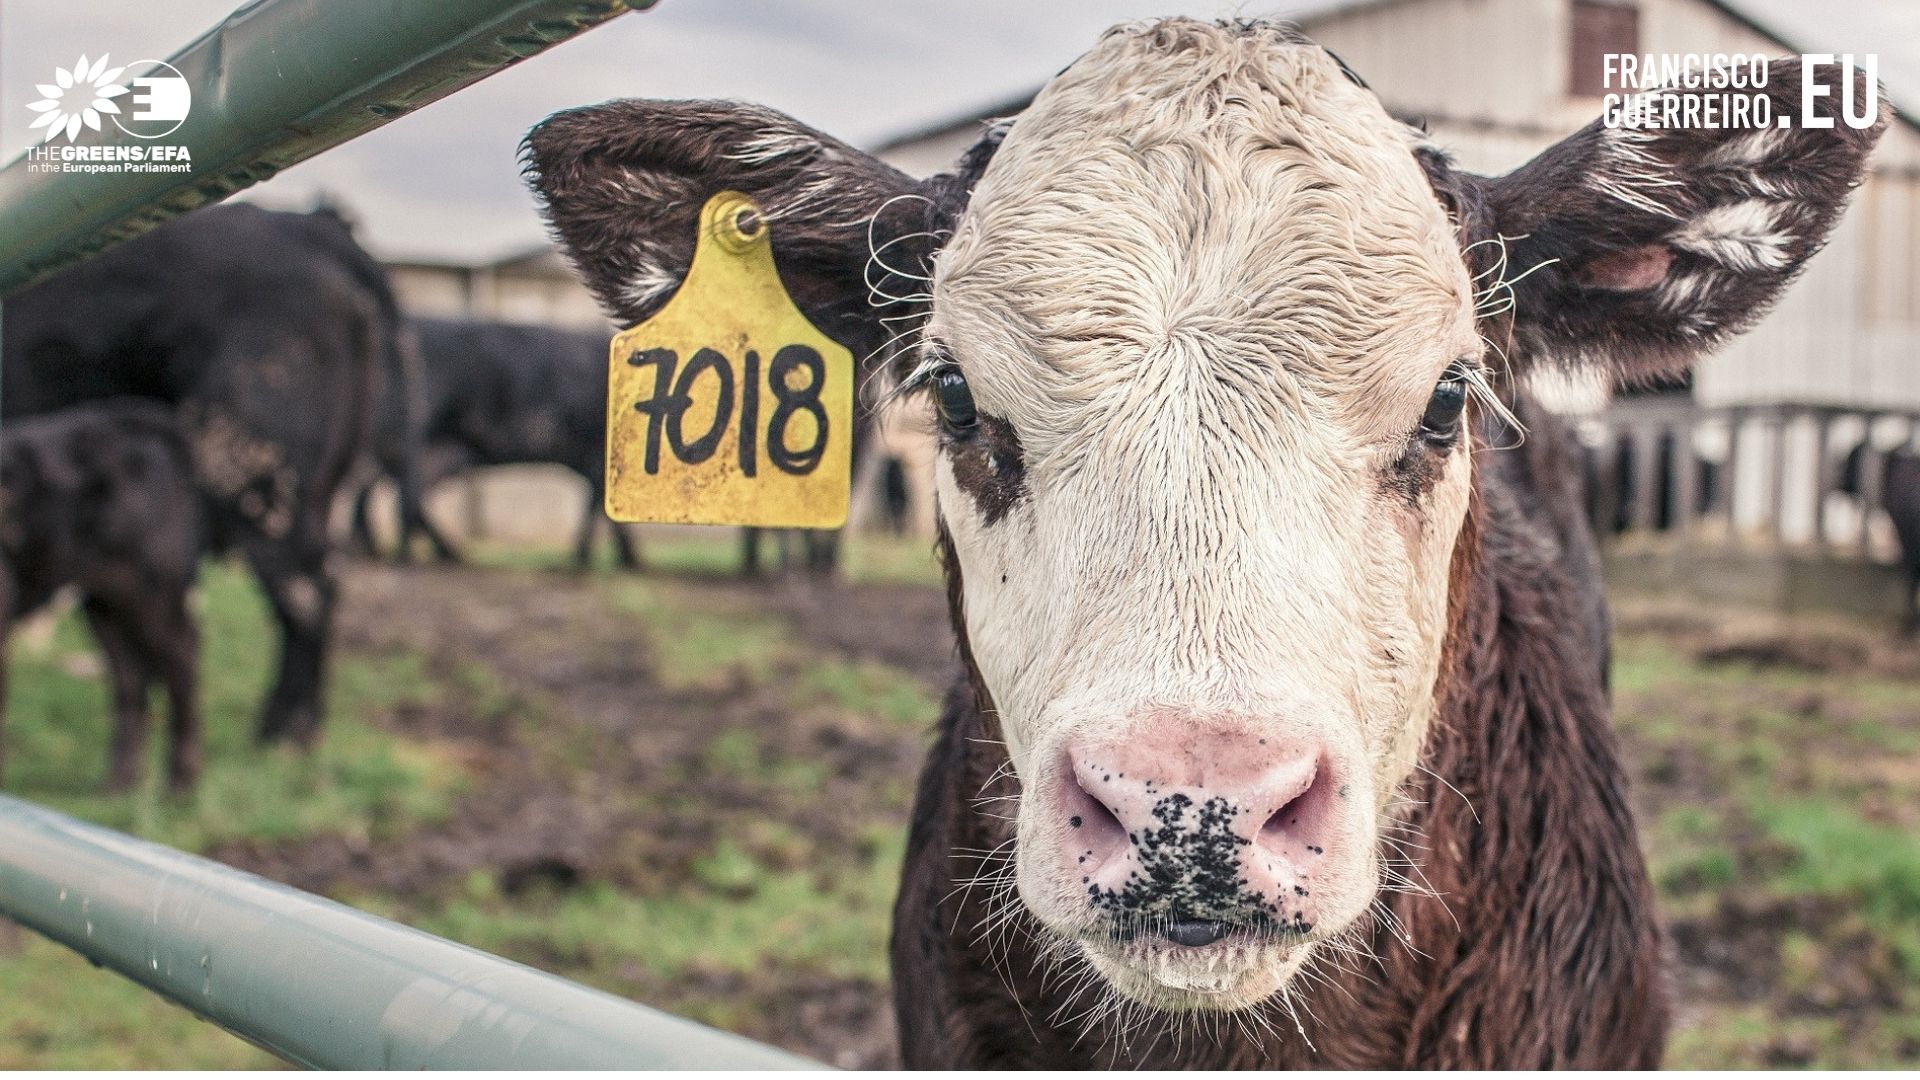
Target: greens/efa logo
x=151 y=105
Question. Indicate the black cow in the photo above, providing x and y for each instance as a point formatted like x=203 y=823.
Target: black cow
x=505 y=394
x=1900 y=497
x=271 y=334
x=101 y=497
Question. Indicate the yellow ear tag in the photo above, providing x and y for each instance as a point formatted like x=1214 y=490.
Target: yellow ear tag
x=728 y=407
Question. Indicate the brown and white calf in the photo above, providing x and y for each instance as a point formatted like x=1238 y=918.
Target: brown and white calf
x=1282 y=738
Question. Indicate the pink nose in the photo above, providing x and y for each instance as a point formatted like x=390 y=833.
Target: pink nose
x=1182 y=826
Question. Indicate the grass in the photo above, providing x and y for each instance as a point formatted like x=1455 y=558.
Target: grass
x=59 y=1013
x=872 y=689
x=691 y=949
x=1781 y=815
x=363 y=781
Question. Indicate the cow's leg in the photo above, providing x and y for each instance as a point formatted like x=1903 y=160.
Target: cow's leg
x=6 y=631
x=127 y=672
x=594 y=516
x=589 y=524
x=626 y=546
x=435 y=463
x=173 y=641
x=1910 y=624
x=362 y=531
x=750 y=552
x=823 y=553
x=302 y=591
x=415 y=510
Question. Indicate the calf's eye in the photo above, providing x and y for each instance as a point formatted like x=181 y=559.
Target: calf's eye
x=954 y=400
x=1442 y=419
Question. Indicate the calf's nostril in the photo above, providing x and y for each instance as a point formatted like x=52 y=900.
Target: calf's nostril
x=1194 y=933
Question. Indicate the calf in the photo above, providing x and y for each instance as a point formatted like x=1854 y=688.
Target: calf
x=101 y=497
x=270 y=334
x=505 y=394
x=1281 y=737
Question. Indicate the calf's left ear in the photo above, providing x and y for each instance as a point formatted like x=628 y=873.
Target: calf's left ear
x=1640 y=249
x=623 y=184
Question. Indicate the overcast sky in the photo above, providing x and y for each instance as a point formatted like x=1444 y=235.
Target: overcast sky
x=443 y=182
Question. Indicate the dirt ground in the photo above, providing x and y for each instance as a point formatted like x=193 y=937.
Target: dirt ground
x=604 y=757
x=590 y=770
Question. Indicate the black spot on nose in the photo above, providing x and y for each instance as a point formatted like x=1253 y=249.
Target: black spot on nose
x=1194 y=933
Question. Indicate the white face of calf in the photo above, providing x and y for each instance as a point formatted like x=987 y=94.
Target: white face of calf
x=1215 y=330
x=1201 y=330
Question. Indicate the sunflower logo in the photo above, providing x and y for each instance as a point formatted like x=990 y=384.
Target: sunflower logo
x=78 y=97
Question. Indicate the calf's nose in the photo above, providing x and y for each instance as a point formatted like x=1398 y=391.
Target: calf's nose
x=1173 y=826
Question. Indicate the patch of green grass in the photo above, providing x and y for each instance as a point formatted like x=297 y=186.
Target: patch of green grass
x=895 y=560
x=1786 y=792
x=735 y=917
x=361 y=781
x=871 y=689
x=59 y=1012
x=743 y=755
x=698 y=648
x=1688 y=854
x=1836 y=852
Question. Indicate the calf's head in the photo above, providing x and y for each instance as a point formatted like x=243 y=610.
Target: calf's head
x=1213 y=341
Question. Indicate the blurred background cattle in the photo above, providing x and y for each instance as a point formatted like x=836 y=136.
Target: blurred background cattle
x=271 y=335
x=498 y=394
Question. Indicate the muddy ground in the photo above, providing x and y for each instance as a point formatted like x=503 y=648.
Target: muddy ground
x=596 y=762
x=589 y=770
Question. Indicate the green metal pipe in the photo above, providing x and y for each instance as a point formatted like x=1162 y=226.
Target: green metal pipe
x=273 y=84
x=317 y=983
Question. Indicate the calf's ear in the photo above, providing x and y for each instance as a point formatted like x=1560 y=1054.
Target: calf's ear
x=1640 y=249
x=622 y=185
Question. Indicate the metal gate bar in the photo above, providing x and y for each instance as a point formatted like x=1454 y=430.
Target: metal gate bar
x=318 y=983
x=275 y=83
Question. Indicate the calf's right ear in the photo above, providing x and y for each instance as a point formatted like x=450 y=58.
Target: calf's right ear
x=1640 y=249
x=622 y=184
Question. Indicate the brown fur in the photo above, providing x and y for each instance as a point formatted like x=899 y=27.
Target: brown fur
x=1544 y=953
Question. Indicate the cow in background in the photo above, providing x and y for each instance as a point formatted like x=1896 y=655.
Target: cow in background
x=101 y=497
x=501 y=394
x=271 y=335
x=1900 y=498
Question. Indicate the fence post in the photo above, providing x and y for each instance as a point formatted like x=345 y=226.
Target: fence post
x=1686 y=479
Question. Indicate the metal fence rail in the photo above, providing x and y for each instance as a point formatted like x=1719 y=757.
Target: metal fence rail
x=315 y=982
x=275 y=83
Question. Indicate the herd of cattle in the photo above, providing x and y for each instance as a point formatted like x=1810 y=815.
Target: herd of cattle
x=212 y=386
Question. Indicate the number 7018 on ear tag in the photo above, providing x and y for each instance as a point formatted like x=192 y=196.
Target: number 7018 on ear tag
x=728 y=407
